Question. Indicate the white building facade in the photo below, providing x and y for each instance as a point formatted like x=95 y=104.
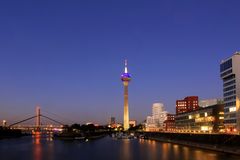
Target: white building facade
x=156 y=121
x=230 y=74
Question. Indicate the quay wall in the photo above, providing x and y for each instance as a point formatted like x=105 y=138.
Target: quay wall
x=218 y=142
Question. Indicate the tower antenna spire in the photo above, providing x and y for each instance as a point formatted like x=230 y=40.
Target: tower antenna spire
x=126 y=70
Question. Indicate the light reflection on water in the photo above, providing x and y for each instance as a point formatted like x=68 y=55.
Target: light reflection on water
x=45 y=148
x=185 y=153
x=126 y=150
x=168 y=151
x=175 y=150
x=37 y=147
x=37 y=141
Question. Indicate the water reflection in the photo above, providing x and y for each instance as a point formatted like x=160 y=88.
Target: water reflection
x=162 y=151
x=152 y=147
x=126 y=154
x=39 y=140
x=199 y=155
x=185 y=153
x=165 y=150
x=37 y=147
x=175 y=150
x=45 y=148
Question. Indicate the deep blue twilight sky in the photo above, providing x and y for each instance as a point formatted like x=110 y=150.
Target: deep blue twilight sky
x=67 y=56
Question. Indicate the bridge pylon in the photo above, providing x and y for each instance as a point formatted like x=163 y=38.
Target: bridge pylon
x=38 y=120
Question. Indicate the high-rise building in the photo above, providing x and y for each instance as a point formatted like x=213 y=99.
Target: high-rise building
x=188 y=104
x=157 y=109
x=156 y=121
x=159 y=114
x=230 y=74
x=149 y=120
x=126 y=78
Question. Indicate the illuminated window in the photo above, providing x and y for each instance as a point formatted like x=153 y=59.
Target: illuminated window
x=221 y=117
x=205 y=114
x=232 y=109
x=190 y=116
x=204 y=128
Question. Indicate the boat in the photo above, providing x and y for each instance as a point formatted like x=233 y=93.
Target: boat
x=69 y=136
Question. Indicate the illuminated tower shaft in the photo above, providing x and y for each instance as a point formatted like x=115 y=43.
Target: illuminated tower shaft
x=125 y=77
x=126 y=112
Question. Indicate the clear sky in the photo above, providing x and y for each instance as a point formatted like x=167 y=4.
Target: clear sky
x=67 y=56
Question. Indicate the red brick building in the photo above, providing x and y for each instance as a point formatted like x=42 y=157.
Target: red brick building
x=188 y=104
x=169 y=123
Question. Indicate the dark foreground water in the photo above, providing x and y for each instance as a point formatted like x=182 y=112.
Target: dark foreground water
x=27 y=148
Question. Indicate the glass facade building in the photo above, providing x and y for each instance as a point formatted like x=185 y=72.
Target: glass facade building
x=230 y=74
x=205 y=119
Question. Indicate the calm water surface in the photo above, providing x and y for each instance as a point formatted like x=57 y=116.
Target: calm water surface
x=28 y=148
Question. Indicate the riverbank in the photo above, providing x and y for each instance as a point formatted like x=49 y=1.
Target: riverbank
x=9 y=133
x=215 y=142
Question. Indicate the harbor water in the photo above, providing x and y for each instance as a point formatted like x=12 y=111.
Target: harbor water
x=107 y=148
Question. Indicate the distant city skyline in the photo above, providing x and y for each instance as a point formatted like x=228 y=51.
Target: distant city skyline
x=67 y=57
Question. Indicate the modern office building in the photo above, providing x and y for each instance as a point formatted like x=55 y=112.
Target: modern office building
x=188 y=104
x=157 y=110
x=149 y=120
x=150 y=125
x=205 y=119
x=126 y=78
x=156 y=121
x=230 y=74
x=159 y=114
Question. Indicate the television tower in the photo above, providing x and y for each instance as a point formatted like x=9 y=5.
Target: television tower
x=126 y=78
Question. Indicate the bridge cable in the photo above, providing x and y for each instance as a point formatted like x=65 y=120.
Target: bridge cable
x=52 y=119
x=22 y=121
x=57 y=115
